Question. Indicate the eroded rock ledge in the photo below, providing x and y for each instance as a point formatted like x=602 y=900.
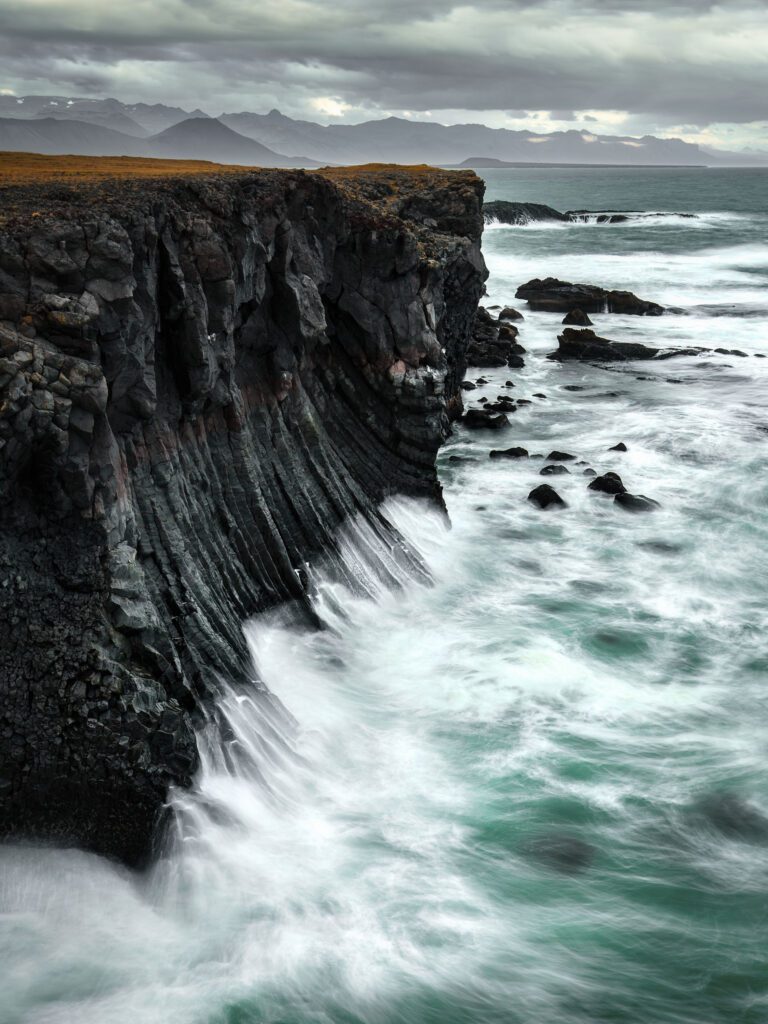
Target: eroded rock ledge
x=199 y=380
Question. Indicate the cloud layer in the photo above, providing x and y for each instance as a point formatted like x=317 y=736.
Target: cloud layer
x=693 y=68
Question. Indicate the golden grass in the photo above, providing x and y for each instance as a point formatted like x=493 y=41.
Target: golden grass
x=35 y=168
x=355 y=170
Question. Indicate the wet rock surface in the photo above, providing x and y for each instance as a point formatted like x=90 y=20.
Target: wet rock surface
x=200 y=379
x=552 y=295
x=509 y=313
x=545 y=496
x=635 y=502
x=503 y=212
x=608 y=483
x=588 y=346
x=508 y=453
x=485 y=419
x=577 y=318
x=494 y=342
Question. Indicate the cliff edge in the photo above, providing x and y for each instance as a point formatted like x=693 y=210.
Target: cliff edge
x=201 y=377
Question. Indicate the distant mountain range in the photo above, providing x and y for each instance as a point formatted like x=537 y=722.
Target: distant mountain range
x=62 y=124
x=194 y=138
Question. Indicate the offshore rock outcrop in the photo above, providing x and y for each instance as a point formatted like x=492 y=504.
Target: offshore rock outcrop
x=587 y=346
x=200 y=379
x=501 y=211
x=554 y=296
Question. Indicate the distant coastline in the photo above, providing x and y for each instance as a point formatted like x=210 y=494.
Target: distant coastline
x=489 y=163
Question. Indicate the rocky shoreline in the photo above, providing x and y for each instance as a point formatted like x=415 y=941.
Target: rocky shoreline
x=200 y=379
x=501 y=211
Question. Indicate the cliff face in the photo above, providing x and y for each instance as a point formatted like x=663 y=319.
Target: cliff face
x=199 y=380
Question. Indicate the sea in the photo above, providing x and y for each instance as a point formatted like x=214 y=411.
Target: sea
x=528 y=785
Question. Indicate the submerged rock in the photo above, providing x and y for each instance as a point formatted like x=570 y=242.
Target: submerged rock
x=555 y=296
x=519 y=214
x=620 y=447
x=562 y=853
x=734 y=817
x=586 y=345
x=480 y=419
x=608 y=483
x=508 y=453
x=577 y=318
x=635 y=502
x=502 y=212
x=545 y=496
x=509 y=313
x=554 y=470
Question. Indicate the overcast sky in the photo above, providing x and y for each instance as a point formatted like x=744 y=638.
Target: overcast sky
x=687 y=68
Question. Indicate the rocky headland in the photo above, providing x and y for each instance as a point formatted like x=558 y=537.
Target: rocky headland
x=201 y=378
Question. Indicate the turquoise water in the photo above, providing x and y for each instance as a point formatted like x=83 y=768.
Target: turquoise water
x=534 y=792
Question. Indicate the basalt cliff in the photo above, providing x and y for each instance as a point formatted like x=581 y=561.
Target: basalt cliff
x=201 y=378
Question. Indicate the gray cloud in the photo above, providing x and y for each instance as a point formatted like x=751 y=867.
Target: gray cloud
x=663 y=63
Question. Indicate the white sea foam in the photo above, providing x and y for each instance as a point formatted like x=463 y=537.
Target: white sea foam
x=635 y=219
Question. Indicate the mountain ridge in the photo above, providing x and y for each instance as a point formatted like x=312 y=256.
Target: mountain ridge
x=201 y=139
x=391 y=139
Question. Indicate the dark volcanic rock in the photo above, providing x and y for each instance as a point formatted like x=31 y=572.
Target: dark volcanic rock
x=200 y=380
x=508 y=453
x=554 y=470
x=503 y=212
x=586 y=345
x=508 y=313
x=636 y=502
x=545 y=496
x=577 y=318
x=557 y=456
x=552 y=295
x=493 y=343
x=480 y=419
x=620 y=447
x=608 y=483
x=622 y=216
x=730 y=352
x=508 y=332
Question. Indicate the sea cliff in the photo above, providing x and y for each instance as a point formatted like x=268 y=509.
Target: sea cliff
x=201 y=378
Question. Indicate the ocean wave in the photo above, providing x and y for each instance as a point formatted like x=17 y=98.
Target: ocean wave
x=634 y=219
